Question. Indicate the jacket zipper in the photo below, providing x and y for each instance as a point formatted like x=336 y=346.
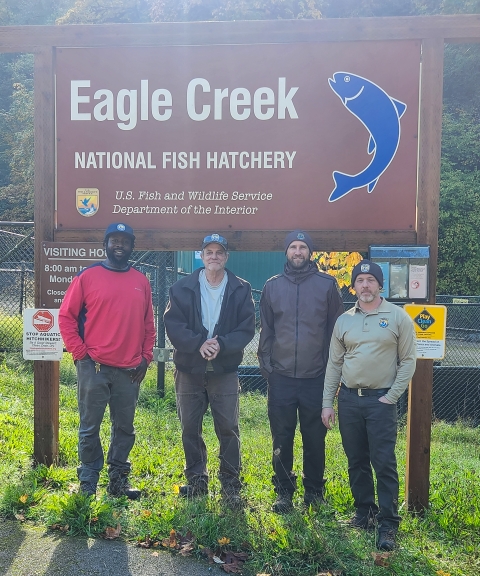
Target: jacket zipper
x=296 y=333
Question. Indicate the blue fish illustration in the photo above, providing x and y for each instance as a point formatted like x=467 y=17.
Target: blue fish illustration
x=380 y=114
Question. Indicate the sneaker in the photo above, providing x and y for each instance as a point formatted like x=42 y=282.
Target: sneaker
x=366 y=522
x=312 y=498
x=194 y=490
x=283 y=504
x=118 y=487
x=88 y=489
x=386 y=539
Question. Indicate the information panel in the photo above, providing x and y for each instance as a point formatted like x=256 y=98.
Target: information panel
x=60 y=262
x=430 y=322
x=320 y=136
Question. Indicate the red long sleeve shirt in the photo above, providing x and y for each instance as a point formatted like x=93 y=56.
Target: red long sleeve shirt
x=108 y=315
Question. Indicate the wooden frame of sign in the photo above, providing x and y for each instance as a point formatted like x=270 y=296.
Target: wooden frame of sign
x=432 y=31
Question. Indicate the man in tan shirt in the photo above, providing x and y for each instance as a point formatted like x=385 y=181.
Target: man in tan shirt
x=373 y=358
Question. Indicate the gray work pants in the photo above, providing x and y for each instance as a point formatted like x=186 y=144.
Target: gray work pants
x=112 y=386
x=194 y=392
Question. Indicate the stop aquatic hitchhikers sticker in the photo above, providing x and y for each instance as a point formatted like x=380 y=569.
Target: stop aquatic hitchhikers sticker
x=88 y=201
x=424 y=320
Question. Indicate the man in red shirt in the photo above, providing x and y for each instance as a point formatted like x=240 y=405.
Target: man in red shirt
x=106 y=321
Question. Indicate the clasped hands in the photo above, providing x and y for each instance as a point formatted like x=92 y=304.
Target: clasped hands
x=210 y=348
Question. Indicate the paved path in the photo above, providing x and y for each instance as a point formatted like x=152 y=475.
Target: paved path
x=30 y=551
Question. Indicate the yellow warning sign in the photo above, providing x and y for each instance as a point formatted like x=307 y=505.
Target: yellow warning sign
x=430 y=321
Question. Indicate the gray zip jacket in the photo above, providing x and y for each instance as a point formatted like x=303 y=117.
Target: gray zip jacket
x=298 y=310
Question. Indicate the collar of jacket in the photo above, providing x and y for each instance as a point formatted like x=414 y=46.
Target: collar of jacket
x=297 y=276
x=193 y=282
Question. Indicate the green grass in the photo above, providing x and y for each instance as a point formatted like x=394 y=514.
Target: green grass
x=305 y=543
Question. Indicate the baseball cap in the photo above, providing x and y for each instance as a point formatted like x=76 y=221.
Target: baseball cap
x=119 y=227
x=368 y=267
x=215 y=238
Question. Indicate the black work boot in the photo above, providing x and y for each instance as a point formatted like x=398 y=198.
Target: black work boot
x=386 y=538
x=313 y=498
x=361 y=520
x=283 y=504
x=231 y=487
x=196 y=488
x=120 y=486
x=88 y=488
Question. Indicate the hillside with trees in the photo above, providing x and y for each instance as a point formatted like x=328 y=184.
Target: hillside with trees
x=459 y=230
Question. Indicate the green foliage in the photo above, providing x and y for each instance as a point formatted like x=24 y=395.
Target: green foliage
x=303 y=543
x=459 y=232
x=77 y=514
x=106 y=11
x=11 y=332
x=16 y=140
x=194 y=10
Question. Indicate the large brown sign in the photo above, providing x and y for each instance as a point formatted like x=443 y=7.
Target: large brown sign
x=321 y=136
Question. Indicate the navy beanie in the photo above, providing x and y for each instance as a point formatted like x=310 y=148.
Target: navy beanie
x=367 y=267
x=298 y=235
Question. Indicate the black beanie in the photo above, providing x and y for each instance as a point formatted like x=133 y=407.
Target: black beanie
x=367 y=267
x=299 y=235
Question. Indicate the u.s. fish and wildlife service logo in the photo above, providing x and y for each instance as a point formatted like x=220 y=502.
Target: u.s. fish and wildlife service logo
x=88 y=201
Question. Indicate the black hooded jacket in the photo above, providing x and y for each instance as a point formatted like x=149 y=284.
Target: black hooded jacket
x=183 y=323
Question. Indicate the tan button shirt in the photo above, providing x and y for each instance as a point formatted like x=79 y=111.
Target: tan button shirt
x=371 y=350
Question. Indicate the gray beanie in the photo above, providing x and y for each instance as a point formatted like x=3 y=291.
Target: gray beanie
x=299 y=235
x=367 y=267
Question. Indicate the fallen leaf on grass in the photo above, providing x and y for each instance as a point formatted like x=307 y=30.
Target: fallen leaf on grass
x=112 y=533
x=186 y=550
x=60 y=527
x=176 y=541
x=381 y=559
x=23 y=498
x=223 y=541
x=442 y=573
x=217 y=560
x=20 y=517
x=234 y=561
x=147 y=543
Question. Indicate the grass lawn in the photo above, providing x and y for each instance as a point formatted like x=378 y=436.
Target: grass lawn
x=306 y=542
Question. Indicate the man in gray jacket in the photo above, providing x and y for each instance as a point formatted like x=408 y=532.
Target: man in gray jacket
x=298 y=310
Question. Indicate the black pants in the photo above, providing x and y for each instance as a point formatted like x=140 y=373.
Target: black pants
x=288 y=397
x=369 y=433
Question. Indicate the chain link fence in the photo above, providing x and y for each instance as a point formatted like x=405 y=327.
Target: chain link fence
x=456 y=387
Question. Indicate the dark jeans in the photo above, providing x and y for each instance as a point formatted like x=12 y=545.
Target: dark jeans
x=112 y=386
x=194 y=393
x=288 y=397
x=369 y=432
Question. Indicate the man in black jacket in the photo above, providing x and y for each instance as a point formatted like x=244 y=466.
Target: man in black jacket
x=298 y=310
x=209 y=319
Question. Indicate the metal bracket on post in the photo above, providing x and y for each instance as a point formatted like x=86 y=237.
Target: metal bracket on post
x=162 y=354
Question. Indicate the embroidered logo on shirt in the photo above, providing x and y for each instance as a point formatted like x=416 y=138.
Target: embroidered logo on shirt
x=383 y=322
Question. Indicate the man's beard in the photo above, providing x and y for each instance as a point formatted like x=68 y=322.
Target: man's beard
x=367 y=297
x=120 y=261
x=298 y=263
